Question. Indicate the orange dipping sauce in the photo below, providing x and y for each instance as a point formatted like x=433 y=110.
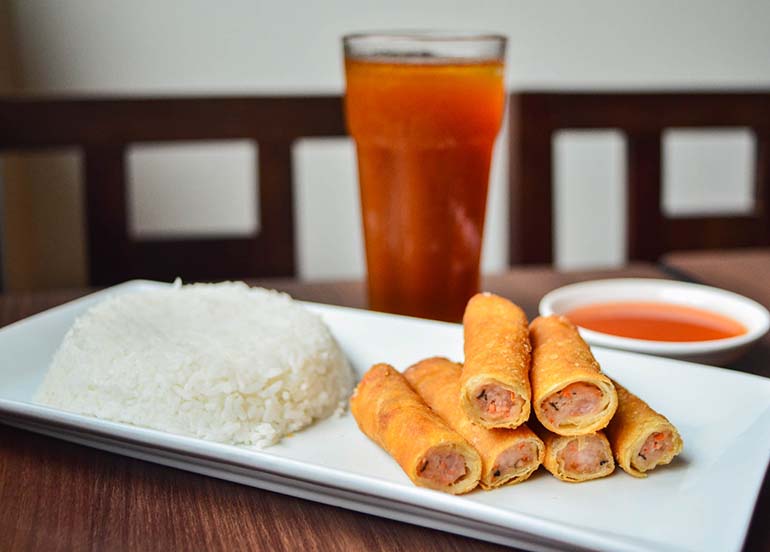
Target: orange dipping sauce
x=655 y=321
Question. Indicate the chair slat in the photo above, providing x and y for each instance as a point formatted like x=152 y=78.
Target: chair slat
x=643 y=197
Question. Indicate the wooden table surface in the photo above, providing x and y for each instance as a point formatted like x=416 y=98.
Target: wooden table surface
x=60 y=496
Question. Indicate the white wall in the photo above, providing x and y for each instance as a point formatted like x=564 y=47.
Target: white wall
x=146 y=46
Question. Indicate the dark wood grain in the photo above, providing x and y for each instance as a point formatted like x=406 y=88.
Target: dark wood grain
x=762 y=180
x=107 y=213
x=645 y=221
x=42 y=122
x=641 y=117
x=104 y=128
x=653 y=110
x=531 y=173
x=60 y=496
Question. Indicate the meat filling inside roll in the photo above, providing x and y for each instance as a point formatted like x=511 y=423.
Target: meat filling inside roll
x=495 y=402
x=571 y=395
x=641 y=438
x=587 y=454
x=494 y=388
x=508 y=456
x=516 y=458
x=442 y=466
x=657 y=449
x=391 y=413
x=574 y=401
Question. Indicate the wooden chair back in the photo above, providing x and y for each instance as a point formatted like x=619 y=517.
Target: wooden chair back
x=103 y=128
x=642 y=117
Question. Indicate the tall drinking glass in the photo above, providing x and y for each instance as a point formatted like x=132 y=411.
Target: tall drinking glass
x=424 y=110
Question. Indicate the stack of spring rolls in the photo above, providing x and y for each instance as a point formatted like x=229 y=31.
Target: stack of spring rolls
x=527 y=394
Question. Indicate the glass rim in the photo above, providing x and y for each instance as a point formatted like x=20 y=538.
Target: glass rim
x=426 y=35
x=425 y=46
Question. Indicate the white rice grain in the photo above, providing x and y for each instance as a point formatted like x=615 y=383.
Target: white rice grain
x=222 y=362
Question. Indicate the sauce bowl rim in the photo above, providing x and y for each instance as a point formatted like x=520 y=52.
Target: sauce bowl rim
x=597 y=289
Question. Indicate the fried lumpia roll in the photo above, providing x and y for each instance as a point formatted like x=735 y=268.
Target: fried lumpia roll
x=394 y=416
x=570 y=394
x=494 y=385
x=576 y=458
x=507 y=455
x=641 y=438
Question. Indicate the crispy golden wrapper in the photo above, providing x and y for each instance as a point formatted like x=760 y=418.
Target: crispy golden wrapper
x=494 y=385
x=641 y=438
x=507 y=455
x=570 y=394
x=394 y=416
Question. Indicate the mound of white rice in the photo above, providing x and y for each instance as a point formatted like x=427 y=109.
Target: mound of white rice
x=222 y=362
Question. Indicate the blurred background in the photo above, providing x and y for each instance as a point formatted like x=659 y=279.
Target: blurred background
x=292 y=47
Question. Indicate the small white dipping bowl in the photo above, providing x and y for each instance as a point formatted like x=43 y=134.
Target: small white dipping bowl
x=754 y=317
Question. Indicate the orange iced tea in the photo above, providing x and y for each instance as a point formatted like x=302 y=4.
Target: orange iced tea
x=424 y=132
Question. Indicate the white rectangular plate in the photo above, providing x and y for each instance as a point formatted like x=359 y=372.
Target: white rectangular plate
x=702 y=501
